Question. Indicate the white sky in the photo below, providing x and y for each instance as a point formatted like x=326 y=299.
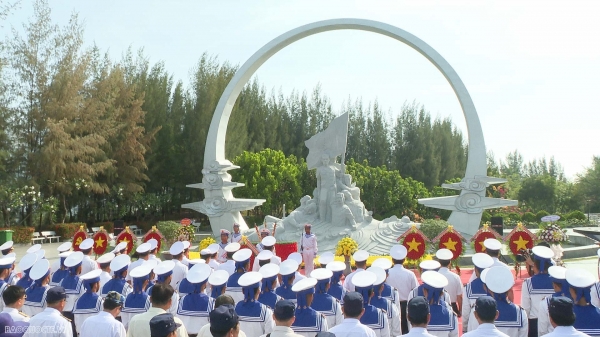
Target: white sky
x=532 y=68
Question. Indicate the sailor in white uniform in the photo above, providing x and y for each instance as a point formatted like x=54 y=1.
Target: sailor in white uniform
x=492 y=248
x=7 y=248
x=36 y=294
x=64 y=247
x=164 y=273
x=418 y=316
x=267 y=295
x=373 y=317
x=222 y=254
x=360 y=260
x=138 y=301
x=308 y=322
x=143 y=253
x=401 y=279
x=558 y=275
x=242 y=265
x=255 y=318
x=474 y=289
x=308 y=248
x=14 y=298
x=13 y=277
x=264 y=232
x=185 y=287
x=214 y=250
x=335 y=286
x=180 y=268
x=428 y=265
x=50 y=319
x=104 y=264
x=512 y=319
x=229 y=264
x=27 y=261
x=587 y=316
x=236 y=236
x=118 y=266
x=287 y=270
x=537 y=287
x=120 y=248
x=562 y=316
x=6 y=264
x=186 y=253
x=378 y=301
x=218 y=283
x=266 y=255
x=88 y=264
x=485 y=313
x=206 y=255
x=60 y=273
x=443 y=322
x=351 y=326
x=89 y=303
x=105 y=324
x=298 y=258
x=153 y=250
x=195 y=307
x=454 y=288
x=324 y=303
x=387 y=292
x=71 y=283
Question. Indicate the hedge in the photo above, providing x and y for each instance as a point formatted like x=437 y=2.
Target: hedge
x=169 y=230
x=66 y=231
x=21 y=234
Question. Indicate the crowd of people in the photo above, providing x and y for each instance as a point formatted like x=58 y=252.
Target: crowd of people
x=222 y=294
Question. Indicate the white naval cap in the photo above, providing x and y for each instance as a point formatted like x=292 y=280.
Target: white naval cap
x=434 y=279
x=380 y=273
x=268 y=241
x=120 y=262
x=62 y=248
x=321 y=274
x=106 y=258
x=429 y=265
x=296 y=257
x=177 y=248
x=364 y=279
x=7 y=261
x=153 y=243
x=74 y=259
x=269 y=270
x=119 y=247
x=27 y=261
x=444 y=254
x=140 y=271
x=92 y=276
x=482 y=260
x=242 y=255
x=6 y=245
x=542 y=252
x=150 y=263
x=304 y=284
x=199 y=273
x=13 y=254
x=164 y=267
x=249 y=279
x=499 y=279
x=326 y=258
x=86 y=244
x=40 y=253
x=264 y=255
x=39 y=269
x=186 y=244
x=288 y=267
x=143 y=248
x=579 y=278
x=492 y=244
x=360 y=255
x=558 y=272
x=215 y=248
x=230 y=248
x=206 y=251
x=483 y=274
x=66 y=254
x=218 y=278
x=336 y=266
x=34 y=248
x=196 y=261
x=382 y=263
x=398 y=252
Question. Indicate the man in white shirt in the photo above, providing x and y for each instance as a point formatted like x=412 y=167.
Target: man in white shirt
x=454 y=287
x=485 y=313
x=104 y=324
x=403 y=280
x=220 y=301
x=88 y=264
x=360 y=260
x=419 y=316
x=284 y=317
x=14 y=298
x=309 y=249
x=153 y=250
x=562 y=318
x=351 y=325
x=50 y=320
x=180 y=269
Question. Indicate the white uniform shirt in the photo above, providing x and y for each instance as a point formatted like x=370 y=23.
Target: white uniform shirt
x=544 y=325
x=566 y=331
x=595 y=294
x=49 y=323
x=140 y=324
x=205 y=332
x=102 y=325
x=254 y=327
x=485 y=330
x=228 y=266
x=221 y=253
x=153 y=257
x=352 y=327
x=235 y=237
x=104 y=277
x=179 y=273
x=509 y=331
x=88 y=265
x=16 y=316
x=348 y=282
x=298 y=277
x=531 y=302
x=214 y=264
x=418 y=332
x=309 y=244
x=274 y=259
x=454 y=287
x=403 y=280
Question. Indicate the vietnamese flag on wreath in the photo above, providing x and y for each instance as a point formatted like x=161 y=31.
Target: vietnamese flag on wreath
x=414 y=240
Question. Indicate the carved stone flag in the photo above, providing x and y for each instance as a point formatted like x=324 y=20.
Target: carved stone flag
x=331 y=141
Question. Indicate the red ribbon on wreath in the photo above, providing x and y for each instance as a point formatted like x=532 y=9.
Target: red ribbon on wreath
x=452 y=240
x=126 y=236
x=154 y=233
x=78 y=238
x=481 y=235
x=414 y=240
x=100 y=241
x=520 y=238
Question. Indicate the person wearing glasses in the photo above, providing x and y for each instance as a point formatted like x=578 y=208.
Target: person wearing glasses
x=104 y=324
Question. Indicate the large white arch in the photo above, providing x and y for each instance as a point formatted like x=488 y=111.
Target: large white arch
x=223 y=209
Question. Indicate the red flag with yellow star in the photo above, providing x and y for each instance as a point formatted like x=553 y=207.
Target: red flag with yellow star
x=414 y=240
x=452 y=240
x=100 y=241
x=481 y=235
x=520 y=238
x=126 y=236
x=78 y=238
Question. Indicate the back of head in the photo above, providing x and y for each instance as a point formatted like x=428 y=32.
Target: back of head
x=353 y=304
x=561 y=311
x=485 y=308
x=163 y=325
x=284 y=311
x=222 y=320
x=12 y=294
x=161 y=294
x=224 y=299
x=417 y=310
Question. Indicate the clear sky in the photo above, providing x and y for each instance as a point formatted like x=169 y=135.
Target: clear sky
x=532 y=68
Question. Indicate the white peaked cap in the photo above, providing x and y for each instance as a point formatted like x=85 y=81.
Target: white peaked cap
x=39 y=269
x=321 y=274
x=380 y=273
x=296 y=257
x=140 y=271
x=398 y=252
x=219 y=277
x=34 y=248
x=150 y=263
x=153 y=243
x=62 y=248
x=242 y=255
x=492 y=244
x=360 y=255
x=40 y=253
x=326 y=258
x=579 y=278
x=66 y=254
x=91 y=274
x=74 y=259
x=288 y=267
x=382 y=263
x=199 y=273
x=558 y=272
x=482 y=260
x=336 y=266
x=364 y=279
x=186 y=244
x=28 y=260
x=269 y=270
x=143 y=248
x=13 y=254
x=176 y=248
x=120 y=262
x=200 y=266
x=206 y=251
x=215 y=248
x=444 y=254
x=196 y=261
x=7 y=260
x=304 y=284
x=429 y=264
x=499 y=279
x=86 y=244
x=122 y=245
x=483 y=274
x=268 y=241
x=106 y=258
x=542 y=252
x=6 y=245
x=265 y=255
x=434 y=279
x=231 y=248
x=164 y=267
x=250 y=278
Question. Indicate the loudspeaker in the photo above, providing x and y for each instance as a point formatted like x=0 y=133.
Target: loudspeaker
x=498 y=224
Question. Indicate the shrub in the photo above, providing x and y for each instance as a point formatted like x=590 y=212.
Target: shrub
x=169 y=230
x=486 y=217
x=576 y=215
x=66 y=231
x=539 y=215
x=529 y=217
x=431 y=228
x=21 y=234
x=514 y=216
x=109 y=226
